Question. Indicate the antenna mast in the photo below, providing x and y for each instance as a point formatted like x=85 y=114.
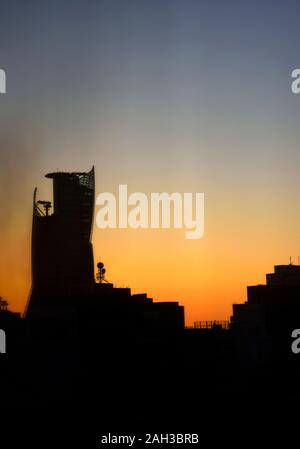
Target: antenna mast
x=100 y=276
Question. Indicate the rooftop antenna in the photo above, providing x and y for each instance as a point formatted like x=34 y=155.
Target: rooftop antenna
x=101 y=273
x=291 y=260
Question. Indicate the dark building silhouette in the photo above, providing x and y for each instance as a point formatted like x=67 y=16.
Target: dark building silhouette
x=63 y=283
x=272 y=306
x=62 y=253
x=86 y=342
x=262 y=334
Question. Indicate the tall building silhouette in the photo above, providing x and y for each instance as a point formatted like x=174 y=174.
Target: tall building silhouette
x=62 y=253
x=63 y=282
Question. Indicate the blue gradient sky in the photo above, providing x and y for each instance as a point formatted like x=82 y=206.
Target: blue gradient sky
x=172 y=95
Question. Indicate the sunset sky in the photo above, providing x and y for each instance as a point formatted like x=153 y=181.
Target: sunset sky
x=161 y=95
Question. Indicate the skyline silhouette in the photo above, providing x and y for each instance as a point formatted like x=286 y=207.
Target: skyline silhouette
x=85 y=345
x=161 y=96
x=48 y=218
x=112 y=334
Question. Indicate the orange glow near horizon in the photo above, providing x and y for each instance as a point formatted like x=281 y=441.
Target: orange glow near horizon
x=206 y=276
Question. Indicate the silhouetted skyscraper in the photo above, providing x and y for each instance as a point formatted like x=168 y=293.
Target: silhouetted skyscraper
x=62 y=253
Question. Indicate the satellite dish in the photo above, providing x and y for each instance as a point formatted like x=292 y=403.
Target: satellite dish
x=103 y=270
x=100 y=265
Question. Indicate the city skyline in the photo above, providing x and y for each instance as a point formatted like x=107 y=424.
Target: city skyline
x=181 y=96
x=50 y=205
